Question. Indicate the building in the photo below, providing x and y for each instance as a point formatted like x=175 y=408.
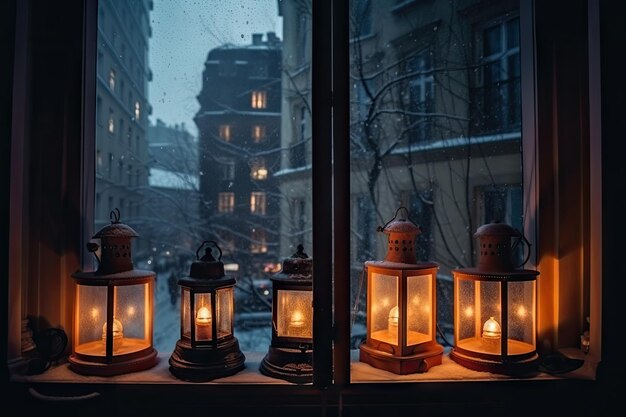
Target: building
x=122 y=109
x=435 y=126
x=239 y=138
x=172 y=199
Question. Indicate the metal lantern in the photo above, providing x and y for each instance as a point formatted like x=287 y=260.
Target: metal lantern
x=290 y=356
x=495 y=306
x=113 y=310
x=207 y=348
x=401 y=305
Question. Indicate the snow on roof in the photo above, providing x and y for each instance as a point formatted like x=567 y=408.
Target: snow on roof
x=458 y=141
x=174 y=180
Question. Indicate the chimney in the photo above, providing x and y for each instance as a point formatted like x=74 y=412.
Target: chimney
x=271 y=38
x=257 y=38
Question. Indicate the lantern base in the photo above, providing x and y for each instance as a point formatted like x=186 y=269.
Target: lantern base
x=293 y=365
x=432 y=355
x=205 y=363
x=528 y=366
x=135 y=363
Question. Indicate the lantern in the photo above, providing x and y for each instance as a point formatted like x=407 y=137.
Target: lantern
x=401 y=305
x=290 y=355
x=207 y=348
x=495 y=307
x=113 y=308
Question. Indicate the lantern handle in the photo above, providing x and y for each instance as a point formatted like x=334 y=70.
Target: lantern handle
x=114 y=215
x=380 y=229
x=205 y=242
x=522 y=238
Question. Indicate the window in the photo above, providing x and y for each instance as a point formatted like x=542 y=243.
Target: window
x=111 y=122
x=422 y=94
x=258 y=170
x=499 y=95
x=361 y=18
x=112 y=79
x=228 y=169
x=226 y=202
x=225 y=132
x=257 y=203
x=258 y=133
x=485 y=193
x=258 y=242
x=137 y=111
x=259 y=99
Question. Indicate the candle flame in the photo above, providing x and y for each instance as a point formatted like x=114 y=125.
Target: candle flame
x=203 y=315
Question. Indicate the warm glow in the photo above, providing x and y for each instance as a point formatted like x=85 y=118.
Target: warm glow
x=521 y=312
x=95 y=313
x=137 y=110
x=491 y=330
x=131 y=311
x=203 y=316
x=469 y=311
x=297 y=319
x=385 y=302
x=225 y=132
x=258 y=100
x=415 y=300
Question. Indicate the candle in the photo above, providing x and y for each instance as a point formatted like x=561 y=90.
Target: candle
x=297 y=319
x=491 y=331
x=204 y=321
x=118 y=334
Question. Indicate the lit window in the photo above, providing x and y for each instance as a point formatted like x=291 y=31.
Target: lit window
x=112 y=80
x=258 y=171
x=137 y=110
x=258 y=133
x=99 y=158
x=111 y=122
x=258 y=241
x=257 y=203
x=225 y=132
x=259 y=99
x=226 y=202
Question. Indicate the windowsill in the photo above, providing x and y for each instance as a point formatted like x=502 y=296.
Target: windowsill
x=361 y=373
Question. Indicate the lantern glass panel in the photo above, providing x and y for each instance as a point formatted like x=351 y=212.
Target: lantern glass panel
x=385 y=314
x=203 y=316
x=521 y=328
x=419 y=309
x=478 y=316
x=186 y=316
x=131 y=308
x=225 y=312
x=91 y=315
x=295 y=314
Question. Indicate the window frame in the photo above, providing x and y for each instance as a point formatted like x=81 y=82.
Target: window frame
x=323 y=125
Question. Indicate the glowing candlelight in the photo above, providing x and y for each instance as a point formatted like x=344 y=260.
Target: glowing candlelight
x=392 y=321
x=297 y=319
x=204 y=321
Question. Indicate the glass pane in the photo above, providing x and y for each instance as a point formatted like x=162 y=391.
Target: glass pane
x=384 y=311
x=224 y=312
x=294 y=316
x=522 y=332
x=91 y=315
x=478 y=314
x=203 y=133
x=132 y=313
x=186 y=316
x=419 y=307
x=435 y=122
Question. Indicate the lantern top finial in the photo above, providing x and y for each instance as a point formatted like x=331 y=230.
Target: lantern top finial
x=207 y=267
x=497 y=243
x=402 y=233
x=400 y=224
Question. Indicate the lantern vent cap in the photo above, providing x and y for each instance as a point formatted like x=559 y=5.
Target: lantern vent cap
x=299 y=265
x=400 y=224
x=116 y=229
x=496 y=228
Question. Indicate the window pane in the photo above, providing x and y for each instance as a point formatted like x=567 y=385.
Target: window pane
x=201 y=108
x=435 y=127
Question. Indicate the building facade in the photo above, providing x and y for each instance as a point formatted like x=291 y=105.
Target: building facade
x=435 y=126
x=239 y=139
x=122 y=109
